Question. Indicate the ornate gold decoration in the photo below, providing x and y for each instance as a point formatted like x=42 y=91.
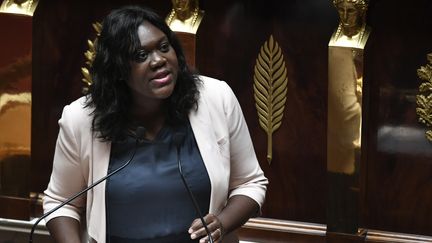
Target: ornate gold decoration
x=90 y=55
x=173 y=12
x=185 y=16
x=270 y=89
x=424 y=100
x=352 y=30
x=26 y=7
x=361 y=3
x=357 y=40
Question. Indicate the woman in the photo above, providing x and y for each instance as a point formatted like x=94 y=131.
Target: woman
x=140 y=79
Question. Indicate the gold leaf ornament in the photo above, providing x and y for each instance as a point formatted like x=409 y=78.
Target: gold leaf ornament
x=424 y=99
x=90 y=55
x=270 y=89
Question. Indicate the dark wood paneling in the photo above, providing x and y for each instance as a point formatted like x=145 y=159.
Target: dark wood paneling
x=345 y=238
x=228 y=43
x=397 y=178
x=188 y=42
x=14 y=208
x=59 y=40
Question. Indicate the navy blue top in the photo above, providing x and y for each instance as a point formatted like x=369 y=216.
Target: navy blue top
x=147 y=201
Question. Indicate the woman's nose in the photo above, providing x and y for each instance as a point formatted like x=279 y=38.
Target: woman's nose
x=156 y=60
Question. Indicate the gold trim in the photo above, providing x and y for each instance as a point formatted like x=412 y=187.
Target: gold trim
x=90 y=55
x=424 y=99
x=270 y=89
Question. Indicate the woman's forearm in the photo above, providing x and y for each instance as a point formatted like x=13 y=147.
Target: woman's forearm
x=64 y=230
x=237 y=212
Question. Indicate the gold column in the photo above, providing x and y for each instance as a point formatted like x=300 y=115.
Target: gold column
x=184 y=18
x=15 y=105
x=345 y=84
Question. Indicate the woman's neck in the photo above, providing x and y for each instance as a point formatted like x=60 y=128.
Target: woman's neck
x=152 y=119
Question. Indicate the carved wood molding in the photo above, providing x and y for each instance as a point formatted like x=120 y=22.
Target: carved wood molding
x=268 y=227
x=286 y=226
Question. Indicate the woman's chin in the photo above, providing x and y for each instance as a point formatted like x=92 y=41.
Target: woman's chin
x=164 y=92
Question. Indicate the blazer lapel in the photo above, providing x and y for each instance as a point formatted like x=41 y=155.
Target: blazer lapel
x=201 y=124
x=98 y=169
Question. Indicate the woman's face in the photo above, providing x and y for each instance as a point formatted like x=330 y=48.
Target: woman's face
x=155 y=68
x=349 y=15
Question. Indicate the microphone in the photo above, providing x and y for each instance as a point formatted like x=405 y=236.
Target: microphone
x=178 y=139
x=139 y=135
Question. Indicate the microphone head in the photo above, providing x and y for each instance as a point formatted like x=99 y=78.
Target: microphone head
x=140 y=133
x=178 y=138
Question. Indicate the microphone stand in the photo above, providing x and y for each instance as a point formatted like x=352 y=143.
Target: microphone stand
x=139 y=135
x=178 y=139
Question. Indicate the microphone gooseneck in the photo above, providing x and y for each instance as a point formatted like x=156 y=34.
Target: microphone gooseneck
x=178 y=139
x=139 y=135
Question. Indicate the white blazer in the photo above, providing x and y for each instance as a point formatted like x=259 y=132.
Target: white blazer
x=221 y=134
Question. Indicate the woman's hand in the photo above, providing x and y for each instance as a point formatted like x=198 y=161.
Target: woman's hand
x=214 y=225
x=237 y=211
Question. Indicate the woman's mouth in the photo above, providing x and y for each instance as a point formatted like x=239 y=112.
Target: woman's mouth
x=162 y=78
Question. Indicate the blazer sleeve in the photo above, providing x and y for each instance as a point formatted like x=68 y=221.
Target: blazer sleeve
x=67 y=176
x=246 y=175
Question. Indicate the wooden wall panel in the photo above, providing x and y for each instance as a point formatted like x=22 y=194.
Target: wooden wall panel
x=397 y=178
x=229 y=41
x=59 y=38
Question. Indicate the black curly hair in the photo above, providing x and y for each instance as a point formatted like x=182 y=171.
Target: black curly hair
x=109 y=94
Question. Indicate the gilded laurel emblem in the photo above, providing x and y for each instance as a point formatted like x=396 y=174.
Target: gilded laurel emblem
x=90 y=55
x=270 y=89
x=424 y=99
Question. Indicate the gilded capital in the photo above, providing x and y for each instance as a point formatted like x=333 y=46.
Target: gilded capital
x=25 y=7
x=352 y=30
x=185 y=16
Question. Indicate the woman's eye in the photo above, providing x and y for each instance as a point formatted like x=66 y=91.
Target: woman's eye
x=141 y=56
x=165 y=47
